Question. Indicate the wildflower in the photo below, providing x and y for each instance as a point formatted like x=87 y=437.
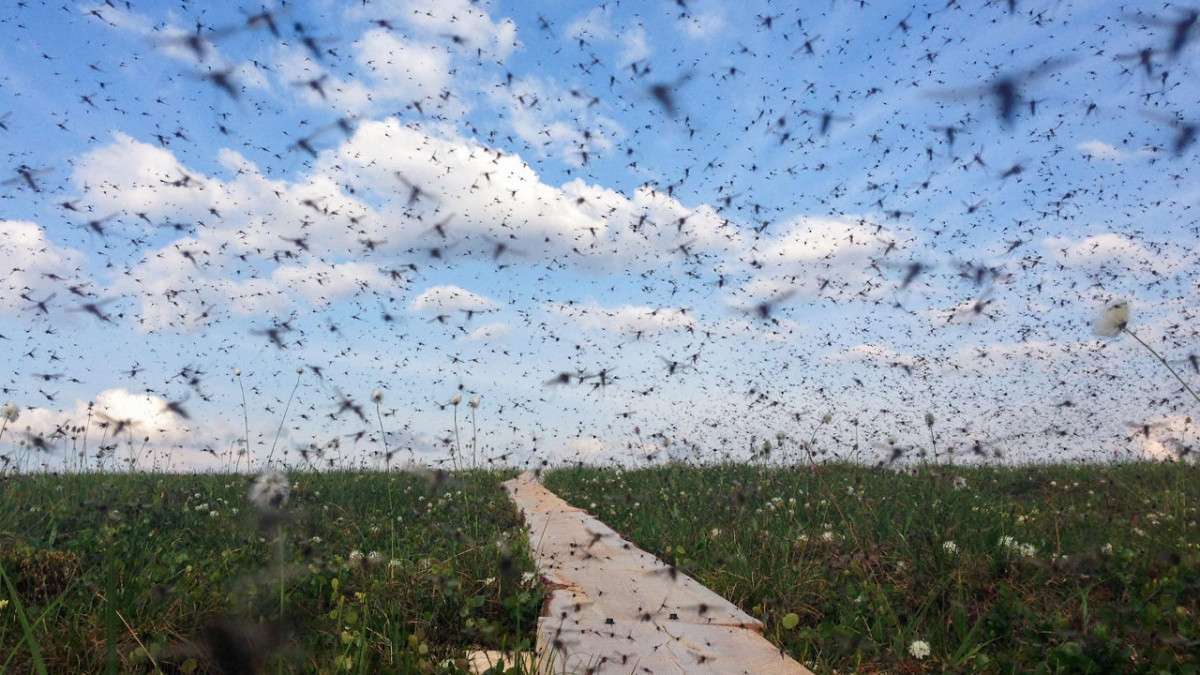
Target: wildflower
x=377 y=396
x=356 y=557
x=919 y=649
x=474 y=402
x=9 y=412
x=1114 y=320
x=827 y=535
x=237 y=372
x=456 y=399
x=269 y=491
x=950 y=547
x=959 y=483
x=929 y=419
x=527 y=578
x=1107 y=549
x=314 y=541
x=1026 y=550
x=374 y=558
x=3 y=604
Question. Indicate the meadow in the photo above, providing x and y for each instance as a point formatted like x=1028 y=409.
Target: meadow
x=352 y=572
x=1010 y=570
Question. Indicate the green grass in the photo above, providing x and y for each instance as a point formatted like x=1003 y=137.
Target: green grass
x=847 y=566
x=129 y=572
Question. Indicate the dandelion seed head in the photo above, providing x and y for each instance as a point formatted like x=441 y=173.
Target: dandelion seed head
x=270 y=491
x=377 y=396
x=1114 y=319
x=9 y=412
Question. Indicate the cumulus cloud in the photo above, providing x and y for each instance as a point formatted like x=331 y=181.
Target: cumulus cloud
x=627 y=319
x=35 y=264
x=450 y=298
x=402 y=69
x=475 y=30
x=1112 y=252
x=489 y=331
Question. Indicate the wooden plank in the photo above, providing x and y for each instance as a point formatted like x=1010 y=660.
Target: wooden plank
x=616 y=608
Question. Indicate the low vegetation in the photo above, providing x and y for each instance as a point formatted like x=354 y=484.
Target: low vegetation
x=348 y=572
x=851 y=569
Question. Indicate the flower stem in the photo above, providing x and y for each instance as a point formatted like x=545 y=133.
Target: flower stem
x=284 y=418
x=1162 y=361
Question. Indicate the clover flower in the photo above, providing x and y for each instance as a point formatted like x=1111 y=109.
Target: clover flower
x=919 y=649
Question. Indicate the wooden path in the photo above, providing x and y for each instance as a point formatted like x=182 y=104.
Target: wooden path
x=614 y=608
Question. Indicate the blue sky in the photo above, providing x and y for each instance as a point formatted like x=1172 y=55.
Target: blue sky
x=805 y=159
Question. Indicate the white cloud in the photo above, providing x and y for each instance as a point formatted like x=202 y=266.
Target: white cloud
x=450 y=298
x=476 y=30
x=1097 y=149
x=1110 y=250
x=705 y=22
x=31 y=257
x=321 y=283
x=627 y=319
x=489 y=331
x=401 y=69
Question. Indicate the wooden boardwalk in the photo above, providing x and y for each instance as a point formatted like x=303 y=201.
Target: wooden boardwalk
x=614 y=608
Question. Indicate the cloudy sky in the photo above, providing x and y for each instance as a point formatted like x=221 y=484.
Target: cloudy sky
x=730 y=220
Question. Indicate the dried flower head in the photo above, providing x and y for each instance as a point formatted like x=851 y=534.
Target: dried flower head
x=1114 y=320
x=474 y=402
x=9 y=412
x=270 y=491
x=377 y=396
x=456 y=399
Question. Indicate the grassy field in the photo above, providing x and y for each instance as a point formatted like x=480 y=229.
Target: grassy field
x=373 y=572
x=1055 y=569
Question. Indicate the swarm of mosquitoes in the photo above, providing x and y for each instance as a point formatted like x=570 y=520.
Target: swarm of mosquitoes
x=173 y=263
x=461 y=207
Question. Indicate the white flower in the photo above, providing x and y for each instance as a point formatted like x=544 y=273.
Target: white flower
x=356 y=557
x=1027 y=550
x=527 y=578
x=377 y=396
x=950 y=547
x=456 y=399
x=314 y=541
x=919 y=648
x=474 y=402
x=237 y=372
x=959 y=482
x=374 y=557
x=827 y=535
x=9 y=412
x=270 y=490
x=1114 y=320
x=1107 y=549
